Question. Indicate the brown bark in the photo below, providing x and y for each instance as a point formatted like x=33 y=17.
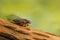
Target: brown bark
x=10 y=31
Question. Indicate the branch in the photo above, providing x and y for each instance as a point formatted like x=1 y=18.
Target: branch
x=12 y=31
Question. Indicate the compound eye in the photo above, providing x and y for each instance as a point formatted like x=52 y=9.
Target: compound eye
x=28 y=22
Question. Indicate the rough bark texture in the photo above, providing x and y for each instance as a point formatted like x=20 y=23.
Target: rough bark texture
x=10 y=31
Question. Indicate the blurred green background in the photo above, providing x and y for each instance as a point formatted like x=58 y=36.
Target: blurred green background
x=44 y=14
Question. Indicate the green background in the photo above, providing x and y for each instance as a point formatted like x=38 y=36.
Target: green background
x=44 y=14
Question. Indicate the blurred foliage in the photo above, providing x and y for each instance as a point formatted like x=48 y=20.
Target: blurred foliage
x=45 y=14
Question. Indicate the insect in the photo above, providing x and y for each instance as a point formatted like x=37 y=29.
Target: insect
x=21 y=22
